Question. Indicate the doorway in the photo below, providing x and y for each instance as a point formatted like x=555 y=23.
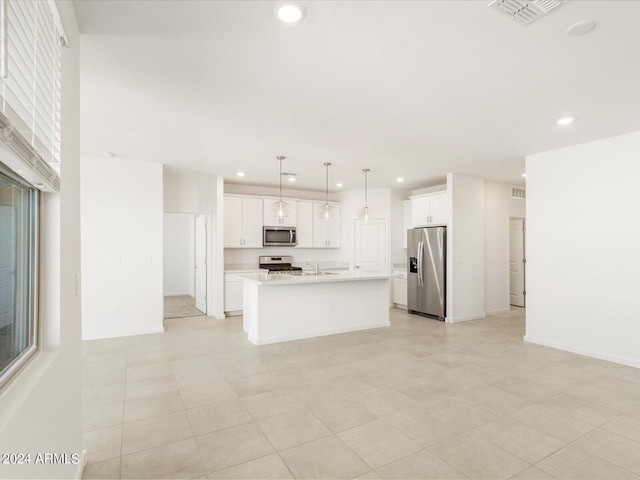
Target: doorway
x=370 y=241
x=517 y=262
x=185 y=273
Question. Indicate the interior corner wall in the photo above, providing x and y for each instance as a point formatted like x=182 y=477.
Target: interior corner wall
x=40 y=408
x=122 y=245
x=465 y=244
x=499 y=207
x=583 y=261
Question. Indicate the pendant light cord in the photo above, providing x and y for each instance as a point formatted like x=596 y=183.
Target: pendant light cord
x=280 y=157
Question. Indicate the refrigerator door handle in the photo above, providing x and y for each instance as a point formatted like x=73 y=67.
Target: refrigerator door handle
x=420 y=254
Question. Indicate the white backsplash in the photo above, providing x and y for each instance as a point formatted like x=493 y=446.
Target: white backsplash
x=300 y=255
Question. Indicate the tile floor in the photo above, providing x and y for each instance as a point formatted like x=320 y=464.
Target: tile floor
x=177 y=306
x=420 y=399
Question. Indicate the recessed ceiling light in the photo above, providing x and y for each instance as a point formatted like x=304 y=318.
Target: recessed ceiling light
x=399 y=179
x=292 y=179
x=524 y=175
x=564 y=121
x=109 y=154
x=339 y=184
x=581 y=28
x=240 y=174
x=290 y=13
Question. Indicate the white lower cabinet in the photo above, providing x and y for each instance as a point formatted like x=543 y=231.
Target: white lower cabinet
x=399 y=283
x=233 y=297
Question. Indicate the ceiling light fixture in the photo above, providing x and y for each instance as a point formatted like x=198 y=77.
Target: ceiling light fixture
x=327 y=211
x=109 y=154
x=240 y=174
x=280 y=209
x=524 y=175
x=564 y=121
x=289 y=13
x=399 y=179
x=292 y=178
x=339 y=184
x=581 y=28
x=365 y=213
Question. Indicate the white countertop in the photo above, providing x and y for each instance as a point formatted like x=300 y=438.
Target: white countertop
x=283 y=279
x=242 y=268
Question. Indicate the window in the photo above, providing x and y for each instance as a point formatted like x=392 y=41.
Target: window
x=18 y=248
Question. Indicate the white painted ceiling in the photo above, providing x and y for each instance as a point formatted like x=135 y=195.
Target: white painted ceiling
x=405 y=88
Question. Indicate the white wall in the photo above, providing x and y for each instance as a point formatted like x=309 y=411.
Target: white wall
x=583 y=260
x=122 y=238
x=40 y=410
x=179 y=241
x=465 y=248
x=498 y=208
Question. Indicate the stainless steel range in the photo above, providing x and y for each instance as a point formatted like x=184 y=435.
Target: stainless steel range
x=281 y=264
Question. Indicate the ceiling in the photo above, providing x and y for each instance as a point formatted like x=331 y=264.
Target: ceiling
x=413 y=89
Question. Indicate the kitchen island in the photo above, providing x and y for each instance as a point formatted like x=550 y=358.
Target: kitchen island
x=279 y=308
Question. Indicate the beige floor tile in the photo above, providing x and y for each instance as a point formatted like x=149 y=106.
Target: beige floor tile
x=497 y=399
x=527 y=443
x=149 y=371
x=176 y=461
x=626 y=425
x=226 y=448
x=573 y=463
x=102 y=415
x=154 y=432
x=385 y=401
x=96 y=378
x=532 y=473
x=103 y=444
x=148 y=387
x=98 y=394
x=615 y=400
x=464 y=412
x=152 y=406
x=322 y=459
x=205 y=394
x=477 y=458
x=613 y=448
x=420 y=465
x=424 y=425
x=218 y=416
x=109 y=469
x=565 y=428
x=271 y=403
x=379 y=443
x=269 y=467
x=526 y=387
x=293 y=428
x=341 y=414
x=572 y=406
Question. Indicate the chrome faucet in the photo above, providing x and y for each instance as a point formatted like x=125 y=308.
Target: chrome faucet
x=316 y=267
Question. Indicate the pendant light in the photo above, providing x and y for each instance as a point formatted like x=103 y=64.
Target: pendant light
x=327 y=211
x=280 y=209
x=366 y=213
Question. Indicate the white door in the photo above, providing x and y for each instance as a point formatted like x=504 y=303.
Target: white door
x=371 y=245
x=201 y=263
x=516 y=262
x=7 y=265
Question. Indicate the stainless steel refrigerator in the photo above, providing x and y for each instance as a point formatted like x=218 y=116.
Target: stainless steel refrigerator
x=426 y=276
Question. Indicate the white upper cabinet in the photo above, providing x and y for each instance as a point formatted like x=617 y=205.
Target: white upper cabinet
x=429 y=209
x=326 y=233
x=242 y=222
x=269 y=220
x=304 y=227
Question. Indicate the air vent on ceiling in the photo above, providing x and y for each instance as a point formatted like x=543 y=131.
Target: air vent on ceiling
x=520 y=193
x=526 y=12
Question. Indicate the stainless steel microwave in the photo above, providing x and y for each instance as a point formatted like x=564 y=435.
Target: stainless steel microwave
x=279 y=236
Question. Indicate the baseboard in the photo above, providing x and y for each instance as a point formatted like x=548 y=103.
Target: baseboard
x=125 y=333
x=631 y=362
x=233 y=313
x=82 y=464
x=287 y=338
x=499 y=310
x=465 y=319
x=178 y=294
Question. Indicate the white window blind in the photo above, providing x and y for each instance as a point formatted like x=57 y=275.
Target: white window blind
x=30 y=87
